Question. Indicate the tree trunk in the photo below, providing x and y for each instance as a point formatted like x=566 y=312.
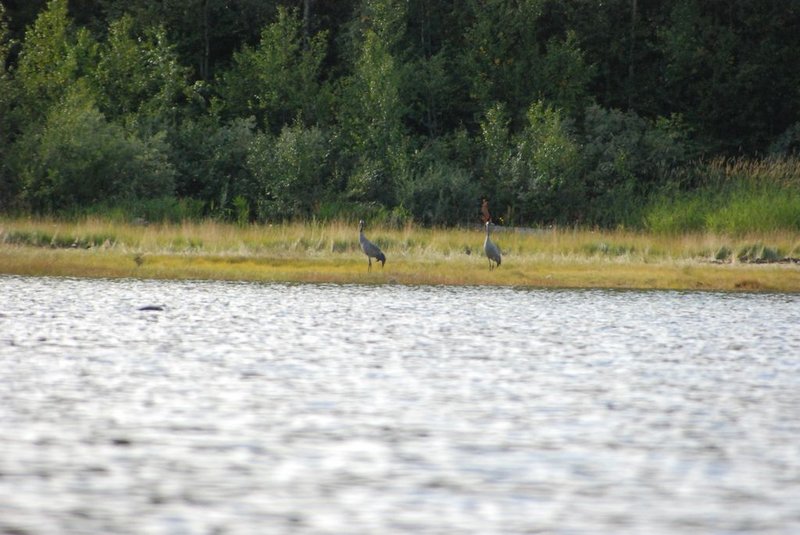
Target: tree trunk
x=307 y=21
x=204 y=62
x=630 y=54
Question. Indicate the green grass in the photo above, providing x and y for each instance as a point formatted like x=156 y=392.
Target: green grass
x=734 y=197
x=738 y=212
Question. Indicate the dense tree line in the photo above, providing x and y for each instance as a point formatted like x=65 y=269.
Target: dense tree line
x=570 y=111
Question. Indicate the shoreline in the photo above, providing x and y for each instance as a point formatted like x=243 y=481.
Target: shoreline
x=530 y=273
x=315 y=252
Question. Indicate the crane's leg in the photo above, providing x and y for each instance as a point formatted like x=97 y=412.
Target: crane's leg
x=369 y=267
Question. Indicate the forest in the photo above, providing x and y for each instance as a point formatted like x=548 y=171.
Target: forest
x=669 y=116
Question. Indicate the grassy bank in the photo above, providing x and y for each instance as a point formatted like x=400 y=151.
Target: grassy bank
x=329 y=252
x=732 y=197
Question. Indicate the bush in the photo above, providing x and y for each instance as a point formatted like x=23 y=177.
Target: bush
x=624 y=159
x=78 y=159
x=534 y=175
x=289 y=171
x=544 y=168
x=442 y=194
x=212 y=165
x=277 y=80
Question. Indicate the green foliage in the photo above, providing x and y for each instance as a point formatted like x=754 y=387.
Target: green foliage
x=439 y=189
x=289 y=171
x=566 y=75
x=211 y=163
x=671 y=215
x=396 y=217
x=499 y=61
x=756 y=211
x=139 y=75
x=54 y=56
x=386 y=19
x=544 y=168
x=279 y=80
x=47 y=63
x=735 y=198
x=5 y=44
x=343 y=210
x=35 y=238
x=442 y=194
x=8 y=183
x=165 y=209
x=371 y=123
x=533 y=175
x=726 y=64
x=205 y=32
x=624 y=158
x=559 y=112
x=242 y=210
x=79 y=158
x=432 y=94
x=495 y=146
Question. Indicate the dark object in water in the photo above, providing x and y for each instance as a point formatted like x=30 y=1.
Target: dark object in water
x=152 y=307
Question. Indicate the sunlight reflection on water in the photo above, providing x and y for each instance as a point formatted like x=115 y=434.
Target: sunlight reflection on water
x=246 y=408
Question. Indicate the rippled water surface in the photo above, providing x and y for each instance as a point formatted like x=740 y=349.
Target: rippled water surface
x=262 y=408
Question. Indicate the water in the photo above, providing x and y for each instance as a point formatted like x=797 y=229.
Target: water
x=321 y=409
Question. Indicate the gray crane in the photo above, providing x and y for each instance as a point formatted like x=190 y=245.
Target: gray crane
x=492 y=251
x=369 y=248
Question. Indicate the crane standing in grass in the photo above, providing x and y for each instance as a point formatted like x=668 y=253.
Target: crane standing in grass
x=492 y=251
x=369 y=248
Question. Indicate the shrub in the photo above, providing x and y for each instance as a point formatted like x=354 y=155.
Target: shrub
x=78 y=159
x=289 y=171
x=442 y=194
x=535 y=174
x=625 y=158
x=544 y=168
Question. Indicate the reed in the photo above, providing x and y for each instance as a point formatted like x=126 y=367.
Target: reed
x=735 y=196
x=328 y=252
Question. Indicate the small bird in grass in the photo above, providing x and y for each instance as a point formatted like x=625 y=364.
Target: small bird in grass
x=492 y=251
x=369 y=248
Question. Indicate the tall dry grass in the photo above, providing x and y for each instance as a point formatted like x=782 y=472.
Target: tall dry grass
x=338 y=239
x=317 y=252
